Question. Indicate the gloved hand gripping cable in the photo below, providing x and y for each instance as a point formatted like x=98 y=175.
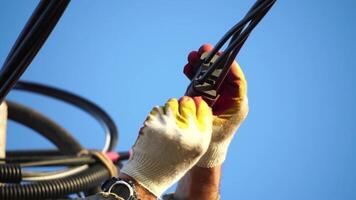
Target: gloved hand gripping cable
x=220 y=81
x=215 y=65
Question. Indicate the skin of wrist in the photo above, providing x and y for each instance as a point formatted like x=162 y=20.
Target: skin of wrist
x=142 y=193
x=199 y=184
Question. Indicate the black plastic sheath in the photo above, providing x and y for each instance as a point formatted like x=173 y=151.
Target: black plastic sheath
x=256 y=14
x=238 y=31
x=43 y=5
x=45 y=126
x=22 y=159
x=30 y=41
x=238 y=40
x=75 y=161
x=58 y=188
x=100 y=115
x=87 y=180
x=10 y=173
x=35 y=155
x=238 y=27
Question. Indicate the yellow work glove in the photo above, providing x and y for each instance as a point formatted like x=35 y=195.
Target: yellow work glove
x=229 y=111
x=172 y=140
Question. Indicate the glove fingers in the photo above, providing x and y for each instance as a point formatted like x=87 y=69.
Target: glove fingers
x=236 y=79
x=193 y=58
x=205 y=48
x=190 y=68
x=171 y=109
x=203 y=114
x=154 y=112
x=187 y=108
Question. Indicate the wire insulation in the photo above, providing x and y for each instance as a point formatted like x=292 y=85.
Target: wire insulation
x=111 y=131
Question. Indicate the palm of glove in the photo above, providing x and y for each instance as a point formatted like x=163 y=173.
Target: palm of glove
x=231 y=107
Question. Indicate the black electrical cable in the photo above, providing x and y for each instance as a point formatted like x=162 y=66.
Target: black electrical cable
x=243 y=28
x=210 y=74
x=41 y=7
x=35 y=155
x=75 y=161
x=236 y=29
x=10 y=173
x=239 y=39
x=45 y=126
x=22 y=159
x=58 y=188
x=30 y=41
x=99 y=114
x=87 y=180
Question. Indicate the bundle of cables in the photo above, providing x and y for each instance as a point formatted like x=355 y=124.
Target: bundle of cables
x=84 y=170
x=77 y=170
x=215 y=65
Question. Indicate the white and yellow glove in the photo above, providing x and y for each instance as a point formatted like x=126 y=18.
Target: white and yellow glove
x=229 y=110
x=173 y=139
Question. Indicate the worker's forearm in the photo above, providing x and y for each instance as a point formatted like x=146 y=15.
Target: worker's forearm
x=142 y=193
x=199 y=184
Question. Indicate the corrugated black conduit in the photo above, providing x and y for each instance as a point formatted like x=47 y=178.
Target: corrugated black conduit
x=10 y=174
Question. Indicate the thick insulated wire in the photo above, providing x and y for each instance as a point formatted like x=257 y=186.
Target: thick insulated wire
x=10 y=173
x=60 y=137
x=43 y=176
x=47 y=128
x=228 y=56
x=18 y=156
x=29 y=42
x=69 y=182
x=58 y=188
x=37 y=13
x=75 y=161
x=242 y=30
x=111 y=131
x=257 y=7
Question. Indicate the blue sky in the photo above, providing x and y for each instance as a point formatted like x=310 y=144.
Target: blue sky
x=298 y=141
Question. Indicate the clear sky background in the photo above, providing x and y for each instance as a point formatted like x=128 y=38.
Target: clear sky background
x=298 y=141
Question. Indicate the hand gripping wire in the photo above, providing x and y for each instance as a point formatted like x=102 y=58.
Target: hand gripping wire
x=214 y=66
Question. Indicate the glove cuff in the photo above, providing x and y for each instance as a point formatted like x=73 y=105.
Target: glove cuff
x=215 y=155
x=155 y=176
x=223 y=133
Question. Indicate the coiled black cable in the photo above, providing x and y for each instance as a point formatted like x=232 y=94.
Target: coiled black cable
x=10 y=173
x=56 y=134
x=90 y=178
x=86 y=180
x=99 y=114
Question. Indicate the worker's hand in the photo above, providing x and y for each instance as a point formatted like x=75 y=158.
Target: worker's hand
x=172 y=140
x=229 y=111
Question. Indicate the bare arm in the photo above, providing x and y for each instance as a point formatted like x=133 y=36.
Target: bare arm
x=141 y=192
x=199 y=184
